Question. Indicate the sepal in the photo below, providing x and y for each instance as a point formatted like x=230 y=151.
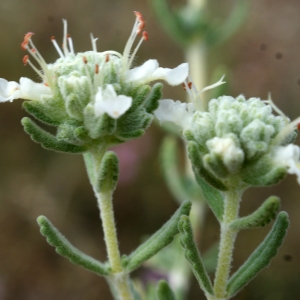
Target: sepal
x=261 y=257
x=163 y=237
x=47 y=140
x=64 y=248
x=261 y=217
x=193 y=256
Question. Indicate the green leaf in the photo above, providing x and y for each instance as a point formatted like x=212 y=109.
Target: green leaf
x=200 y=170
x=139 y=97
x=193 y=256
x=64 y=248
x=261 y=257
x=47 y=140
x=164 y=292
x=109 y=172
x=155 y=95
x=163 y=237
x=261 y=217
x=38 y=110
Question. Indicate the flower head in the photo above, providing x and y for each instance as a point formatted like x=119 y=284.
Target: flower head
x=86 y=87
x=236 y=138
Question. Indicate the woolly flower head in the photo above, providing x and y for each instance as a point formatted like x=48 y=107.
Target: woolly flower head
x=236 y=138
x=94 y=90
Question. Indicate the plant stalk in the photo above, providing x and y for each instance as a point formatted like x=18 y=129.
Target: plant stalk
x=119 y=278
x=228 y=236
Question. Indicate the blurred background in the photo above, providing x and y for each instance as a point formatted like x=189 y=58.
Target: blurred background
x=263 y=56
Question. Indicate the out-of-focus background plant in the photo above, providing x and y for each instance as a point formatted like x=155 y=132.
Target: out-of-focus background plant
x=263 y=56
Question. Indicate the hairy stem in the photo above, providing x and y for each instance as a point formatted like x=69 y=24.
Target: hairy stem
x=119 y=278
x=228 y=236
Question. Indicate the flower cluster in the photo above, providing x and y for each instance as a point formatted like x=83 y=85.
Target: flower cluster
x=99 y=91
x=236 y=136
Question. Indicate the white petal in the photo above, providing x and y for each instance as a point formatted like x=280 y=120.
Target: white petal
x=33 y=91
x=289 y=156
x=173 y=76
x=177 y=112
x=116 y=107
x=9 y=90
x=107 y=101
x=109 y=92
x=143 y=73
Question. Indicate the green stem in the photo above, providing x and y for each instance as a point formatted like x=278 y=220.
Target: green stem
x=228 y=236
x=119 y=278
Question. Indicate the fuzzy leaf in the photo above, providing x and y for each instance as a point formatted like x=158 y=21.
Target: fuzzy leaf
x=47 y=140
x=193 y=256
x=164 y=292
x=261 y=257
x=130 y=135
x=261 y=217
x=157 y=241
x=109 y=172
x=64 y=248
x=155 y=95
x=139 y=97
x=199 y=169
x=36 y=109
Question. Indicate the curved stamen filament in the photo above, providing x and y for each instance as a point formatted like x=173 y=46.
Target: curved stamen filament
x=70 y=42
x=64 y=44
x=94 y=45
x=144 y=38
x=53 y=40
x=137 y=28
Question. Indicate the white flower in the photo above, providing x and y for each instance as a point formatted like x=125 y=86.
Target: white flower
x=27 y=89
x=9 y=90
x=289 y=157
x=95 y=72
x=107 y=101
x=150 y=71
x=177 y=112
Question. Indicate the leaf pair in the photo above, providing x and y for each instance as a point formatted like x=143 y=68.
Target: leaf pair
x=257 y=261
x=154 y=244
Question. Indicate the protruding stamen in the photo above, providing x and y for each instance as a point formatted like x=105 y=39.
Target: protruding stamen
x=53 y=40
x=25 y=59
x=137 y=29
x=298 y=126
x=107 y=57
x=64 y=43
x=94 y=45
x=145 y=36
x=187 y=85
x=26 y=40
x=70 y=42
x=85 y=60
